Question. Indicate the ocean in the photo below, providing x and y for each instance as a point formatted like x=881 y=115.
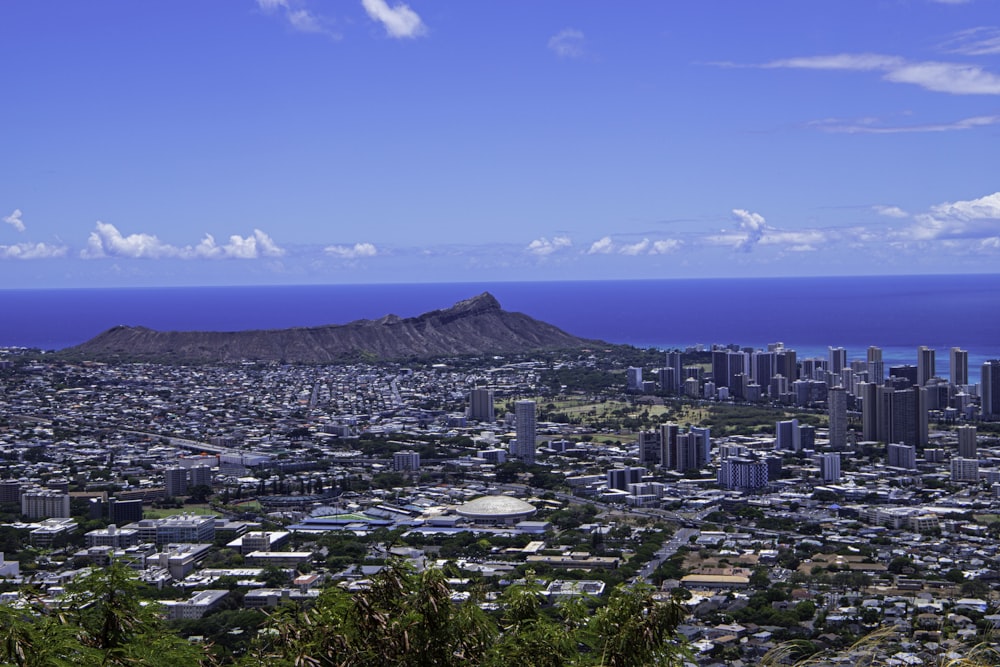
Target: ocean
x=897 y=313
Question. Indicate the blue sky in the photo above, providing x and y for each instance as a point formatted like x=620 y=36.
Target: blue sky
x=362 y=141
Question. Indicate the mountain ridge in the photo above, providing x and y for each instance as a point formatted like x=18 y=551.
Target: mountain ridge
x=476 y=325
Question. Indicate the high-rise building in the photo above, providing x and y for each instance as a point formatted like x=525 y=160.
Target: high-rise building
x=908 y=372
x=902 y=415
x=45 y=504
x=901 y=456
x=814 y=369
x=703 y=444
x=620 y=478
x=964 y=470
x=405 y=460
x=741 y=473
x=958 y=366
x=524 y=415
x=650 y=448
x=737 y=366
x=684 y=451
x=836 y=399
x=121 y=512
x=967 y=442
x=675 y=362
x=838 y=359
x=668 y=445
x=868 y=393
x=990 y=389
x=481 y=405
x=200 y=476
x=876 y=367
x=786 y=365
x=634 y=377
x=787 y=436
x=925 y=365
x=829 y=466
x=762 y=368
x=176 y=481
x=720 y=367
x=10 y=491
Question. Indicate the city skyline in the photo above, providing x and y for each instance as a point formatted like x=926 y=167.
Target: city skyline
x=297 y=142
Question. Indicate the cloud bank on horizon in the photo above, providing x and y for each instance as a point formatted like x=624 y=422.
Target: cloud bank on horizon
x=382 y=140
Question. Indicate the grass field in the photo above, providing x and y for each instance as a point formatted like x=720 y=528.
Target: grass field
x=203 y=510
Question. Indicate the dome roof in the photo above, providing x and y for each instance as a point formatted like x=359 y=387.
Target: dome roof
x=495 y=507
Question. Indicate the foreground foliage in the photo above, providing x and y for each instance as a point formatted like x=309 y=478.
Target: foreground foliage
x=409 y=619
x=404 y=618
x=101 y=621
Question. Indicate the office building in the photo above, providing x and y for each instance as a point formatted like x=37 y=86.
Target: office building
x=836 y=399
x=179 y=528
x=112 y=536
x=481 y=405
x=829 y=466
x=958 y=366
x=526 y=434
x=967 y=442
x=925 y=365
x=902 y=456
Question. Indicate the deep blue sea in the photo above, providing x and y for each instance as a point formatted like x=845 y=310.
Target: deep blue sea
x=897 y=313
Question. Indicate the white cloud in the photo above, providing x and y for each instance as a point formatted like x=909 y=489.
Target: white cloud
x=32 y=251
x=14 y=220
x=602 y=246
x=298 y=18
x=794 y=239
x=981 y=41
x=890 y=211
x=544 y=247
x=753 y=225
x=399 y=21
x=840 y=61
x=869 y=126
x=941 y=77
x=107 y=241
x=568 y=43
x=971 y=219
x=665 y=246
x=954 y=78
x=635 y=248
x=352 y=252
